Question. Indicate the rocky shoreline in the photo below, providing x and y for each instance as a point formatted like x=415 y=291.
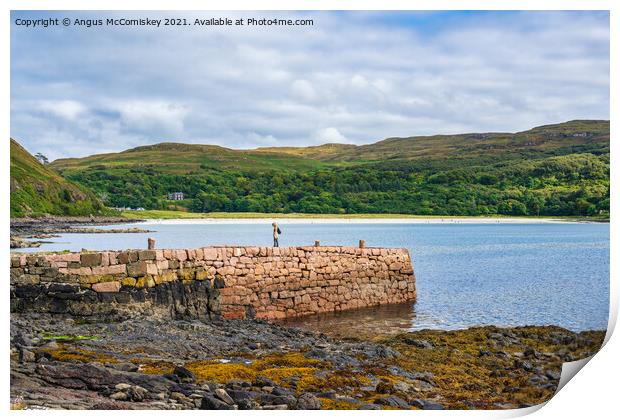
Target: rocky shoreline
x=52 y=226
x=59 y=362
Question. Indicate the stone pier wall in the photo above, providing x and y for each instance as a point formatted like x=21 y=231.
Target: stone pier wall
x=229 y=282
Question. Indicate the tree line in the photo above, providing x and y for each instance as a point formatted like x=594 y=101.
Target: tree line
x=569 y=185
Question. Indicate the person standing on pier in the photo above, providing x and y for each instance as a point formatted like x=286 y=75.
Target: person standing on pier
x=276 y=232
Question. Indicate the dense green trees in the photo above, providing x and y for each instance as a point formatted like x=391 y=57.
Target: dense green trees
x=572 y=184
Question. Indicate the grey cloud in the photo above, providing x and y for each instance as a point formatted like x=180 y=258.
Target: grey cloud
x=350 y=78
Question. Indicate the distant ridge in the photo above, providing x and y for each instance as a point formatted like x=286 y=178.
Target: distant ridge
x=555 y=169
x=458 y=145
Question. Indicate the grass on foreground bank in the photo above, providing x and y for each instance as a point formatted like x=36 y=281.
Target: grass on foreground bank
x=174 y=214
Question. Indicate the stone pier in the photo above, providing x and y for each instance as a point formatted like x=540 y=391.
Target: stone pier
x=227 y=281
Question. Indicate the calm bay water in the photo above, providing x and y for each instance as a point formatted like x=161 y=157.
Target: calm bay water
x=467 y=274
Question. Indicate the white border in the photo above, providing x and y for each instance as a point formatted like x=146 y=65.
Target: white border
x=592 y=394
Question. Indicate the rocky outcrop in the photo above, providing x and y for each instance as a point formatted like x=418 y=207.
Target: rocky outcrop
x=58 y=362
x=232 y=282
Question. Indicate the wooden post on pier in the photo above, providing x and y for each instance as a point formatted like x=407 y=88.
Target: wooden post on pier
x=362 y=243
x=317 y=243
x=151 y=243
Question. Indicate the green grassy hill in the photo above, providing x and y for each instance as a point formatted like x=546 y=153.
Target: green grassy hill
x=37 y=190
x=560 y=169
x=179 y=158
x=538 y=141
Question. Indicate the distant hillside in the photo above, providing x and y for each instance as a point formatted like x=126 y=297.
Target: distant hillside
x=38 y=190
x=179 y=158
x=540 y=141
x=559 y=169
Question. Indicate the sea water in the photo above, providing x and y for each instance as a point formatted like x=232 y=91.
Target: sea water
x=466 y=274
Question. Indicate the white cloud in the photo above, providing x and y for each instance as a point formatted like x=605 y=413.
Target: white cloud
x=303 y=89
x=330 y=135
x=151 y=115
x=352 y=77
x=66 y=109
x=359 y=82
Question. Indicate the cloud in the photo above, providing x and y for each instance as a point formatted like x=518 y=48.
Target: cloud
x=330 y=135
x=66 y=109
x=304 y=90
x=151 y=116
x=354 y=77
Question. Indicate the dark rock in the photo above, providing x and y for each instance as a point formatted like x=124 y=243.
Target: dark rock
x=64 y=291
x=385 y=352
x=184 y=374
x=553 y=374
x=263 y=381
x=523 y=364
x=22 y=340
x=307 y=401
x=209 y=402
x=137 y=393
x=316 y=354
x=27 y=291
x=288 y=400
x=422 y=344
x=181 y=398
x=564 y=354
x=238 y=394
x=247 y=404
x=219 y=282
x=414 y=376
x=418 y=403
x=26 y=356
x=561 y=338
x=426 y=404
x=172 y=377
x=384 y=387
x=279 y=391
x=243 y=399
x=430 y=405
x=111 y=405
x=238 y=384
x=392 y=401
x=42 y=357
x=107 y=297
x=138 y=295
x=58 y=306
x=369 y=407
x=123 y=297
x=125 y=367
x=83 y=376
x=250 y=312
x=263 y=398
x=530 y=352
x=537 y=379
x=495 y=336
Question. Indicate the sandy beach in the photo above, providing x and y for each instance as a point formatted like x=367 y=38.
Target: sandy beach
x=412 y=220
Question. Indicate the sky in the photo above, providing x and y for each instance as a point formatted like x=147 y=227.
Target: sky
x=351 y=77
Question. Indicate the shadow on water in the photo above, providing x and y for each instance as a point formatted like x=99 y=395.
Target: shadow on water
x=365 y=323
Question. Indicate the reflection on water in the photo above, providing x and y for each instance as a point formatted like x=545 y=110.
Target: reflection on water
x=367 y=323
